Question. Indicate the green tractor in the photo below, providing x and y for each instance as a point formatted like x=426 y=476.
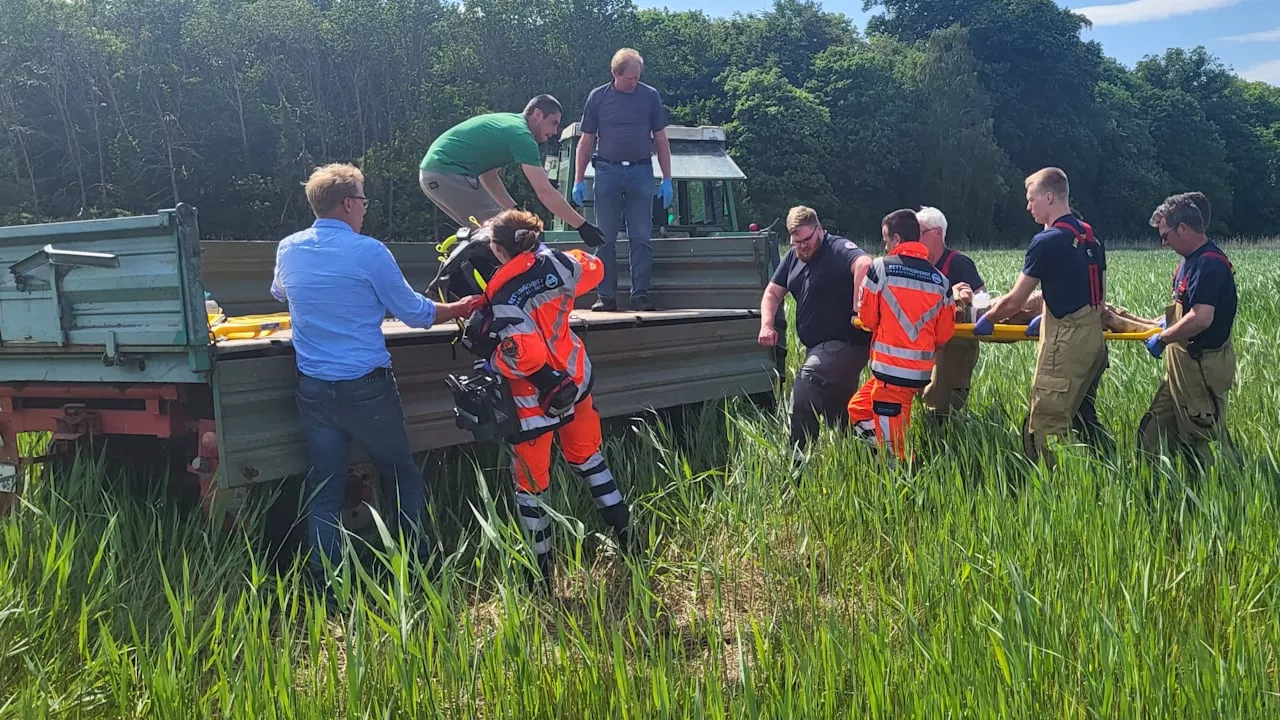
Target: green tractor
x=706 y=181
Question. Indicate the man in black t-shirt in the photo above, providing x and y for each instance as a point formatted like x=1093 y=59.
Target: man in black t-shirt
x=821 y=271
x=948 y=389
x=1190 y=406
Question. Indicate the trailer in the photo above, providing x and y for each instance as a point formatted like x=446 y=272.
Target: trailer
x=104 y=335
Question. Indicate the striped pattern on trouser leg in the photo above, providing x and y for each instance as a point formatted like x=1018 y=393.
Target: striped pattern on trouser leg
x=535 y=521
x=604 y=491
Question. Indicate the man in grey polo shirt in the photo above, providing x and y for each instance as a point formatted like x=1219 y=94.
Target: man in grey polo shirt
x=630 y=121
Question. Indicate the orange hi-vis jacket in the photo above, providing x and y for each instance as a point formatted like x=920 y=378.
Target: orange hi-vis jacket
x=906 y=304
x=531 y=298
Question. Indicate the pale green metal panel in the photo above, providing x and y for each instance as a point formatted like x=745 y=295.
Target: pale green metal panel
x=124 y=293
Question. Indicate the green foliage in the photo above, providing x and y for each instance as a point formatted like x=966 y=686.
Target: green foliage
x=976 y=587
x=127 y=107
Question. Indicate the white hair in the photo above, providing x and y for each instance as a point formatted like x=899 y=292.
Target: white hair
x=931 y=217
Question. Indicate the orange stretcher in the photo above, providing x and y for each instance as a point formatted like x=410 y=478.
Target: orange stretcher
x=1015 y=333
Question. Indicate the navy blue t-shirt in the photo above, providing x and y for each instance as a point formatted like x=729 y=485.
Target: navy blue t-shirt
x=1205 y=277
x=823 y=289
x=624 y=123
x=1062 y=266
x=959 y=268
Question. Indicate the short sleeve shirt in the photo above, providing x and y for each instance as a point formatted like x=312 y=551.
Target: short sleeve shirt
x=1062 y=266
x=1205 y=277
x=959 y=268
x=823 y=290
x=482 y=143
x=624 y=123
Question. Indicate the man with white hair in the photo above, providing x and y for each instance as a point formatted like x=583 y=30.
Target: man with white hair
x=948 y=388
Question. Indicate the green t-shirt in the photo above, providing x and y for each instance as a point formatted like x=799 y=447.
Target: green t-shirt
x=484 y=142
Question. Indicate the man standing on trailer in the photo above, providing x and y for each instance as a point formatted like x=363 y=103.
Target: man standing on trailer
x=630 y=121
x=339 y=286
x=948 y=388
x=822 y=272
x=1070 y=265
x=459 y=173
x=1190 y=407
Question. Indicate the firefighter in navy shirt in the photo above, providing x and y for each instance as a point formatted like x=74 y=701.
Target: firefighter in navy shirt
x=822 y=272
x=1070 y=265
x=948 y=388
x=1190 y=406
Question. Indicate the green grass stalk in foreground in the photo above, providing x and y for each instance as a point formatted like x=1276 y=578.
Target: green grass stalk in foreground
x=979 y=586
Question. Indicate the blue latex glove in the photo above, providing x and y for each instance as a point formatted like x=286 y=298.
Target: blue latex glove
x=984 y=326
x=1033 y=327
x=1155 y=346
x=580 y=193
x=666 y=192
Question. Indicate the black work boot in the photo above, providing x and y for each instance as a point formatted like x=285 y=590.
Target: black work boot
x=642 y=302
x=540 y=581
x=605 y=304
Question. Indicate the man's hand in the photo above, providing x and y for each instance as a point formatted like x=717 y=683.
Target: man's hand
x=590 y=234
x=666 y=192
x=462 y=308
x=580 y=193
x=768 y=336
x=1155 y=346
x=962 y=293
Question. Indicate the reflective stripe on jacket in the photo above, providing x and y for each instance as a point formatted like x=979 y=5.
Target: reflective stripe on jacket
x=907 y=306
x=533 y=295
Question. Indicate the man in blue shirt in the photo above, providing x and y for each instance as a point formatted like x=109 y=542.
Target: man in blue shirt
x=1070 y=265
x=339 y=286
x=1190 y=406
x=630 y=121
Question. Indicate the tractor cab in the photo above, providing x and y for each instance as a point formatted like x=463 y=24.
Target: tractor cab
x=705 y=181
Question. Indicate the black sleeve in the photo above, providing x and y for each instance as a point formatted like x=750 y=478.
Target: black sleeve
x=968 y=272
x=783 y=271
x=1206 y=286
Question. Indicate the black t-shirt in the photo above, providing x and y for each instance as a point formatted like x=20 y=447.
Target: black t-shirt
x=1205 y=277
x=959 y=268
x=823 y=289
x=1061 y=265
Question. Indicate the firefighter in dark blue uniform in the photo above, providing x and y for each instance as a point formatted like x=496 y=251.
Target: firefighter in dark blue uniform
x=1189 y=409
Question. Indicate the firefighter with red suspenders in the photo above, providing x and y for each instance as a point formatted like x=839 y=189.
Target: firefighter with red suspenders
x=948 y=388
x=1189 y=409
x=1070 y=265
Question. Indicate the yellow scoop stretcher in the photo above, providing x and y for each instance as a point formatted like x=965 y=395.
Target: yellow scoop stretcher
x=246 y=327
x=1015 y=333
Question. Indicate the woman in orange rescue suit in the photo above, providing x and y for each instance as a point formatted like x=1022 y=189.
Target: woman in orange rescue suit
x=530 y=297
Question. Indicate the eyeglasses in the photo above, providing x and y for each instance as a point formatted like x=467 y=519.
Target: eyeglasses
x=812 y=234
x=1164 y=236
x=361 y=198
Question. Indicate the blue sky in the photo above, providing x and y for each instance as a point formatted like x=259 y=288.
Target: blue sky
x=1243 y=34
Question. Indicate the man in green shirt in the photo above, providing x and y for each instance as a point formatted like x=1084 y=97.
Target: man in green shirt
x=460 y=170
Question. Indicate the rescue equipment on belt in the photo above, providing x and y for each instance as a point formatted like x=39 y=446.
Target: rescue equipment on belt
x=483 y=405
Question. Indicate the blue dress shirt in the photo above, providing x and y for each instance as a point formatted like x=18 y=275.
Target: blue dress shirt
x=339 y=286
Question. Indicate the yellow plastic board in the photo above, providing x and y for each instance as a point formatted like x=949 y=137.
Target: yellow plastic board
x=1016 y=333
x=245 y=327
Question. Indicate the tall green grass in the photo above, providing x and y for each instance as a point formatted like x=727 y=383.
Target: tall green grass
x=977 y=586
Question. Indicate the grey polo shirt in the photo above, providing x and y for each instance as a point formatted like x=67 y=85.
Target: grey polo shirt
x=624 y=123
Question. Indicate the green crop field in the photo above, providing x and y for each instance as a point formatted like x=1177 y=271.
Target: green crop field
x=979 y=586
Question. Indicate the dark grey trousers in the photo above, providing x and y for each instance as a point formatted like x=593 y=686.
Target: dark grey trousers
x=826 y=382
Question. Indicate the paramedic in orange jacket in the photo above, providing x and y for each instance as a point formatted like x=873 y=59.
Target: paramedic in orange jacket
x=907 y=306
x=530 y=298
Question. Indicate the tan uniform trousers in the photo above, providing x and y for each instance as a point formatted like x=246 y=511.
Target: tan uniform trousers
x=1069 y=360
x=948 y=387
x=1190 y=406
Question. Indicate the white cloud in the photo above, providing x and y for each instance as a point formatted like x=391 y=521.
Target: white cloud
x=1145 y=10
x=1264 y=36
x=1267 y=72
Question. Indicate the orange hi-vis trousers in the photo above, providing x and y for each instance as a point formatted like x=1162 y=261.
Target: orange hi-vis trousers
x=580 y=441
x=885 y=410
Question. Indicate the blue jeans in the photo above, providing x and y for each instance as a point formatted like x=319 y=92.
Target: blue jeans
x=366 y=410
x=625 y=191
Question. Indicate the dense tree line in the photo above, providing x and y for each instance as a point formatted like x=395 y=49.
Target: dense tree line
x=129 y=106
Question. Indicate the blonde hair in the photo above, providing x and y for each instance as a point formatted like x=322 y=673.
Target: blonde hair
x=801 y=215
x=329 y=185
x=516 y=231
x=624 y=58
x=1050 y=179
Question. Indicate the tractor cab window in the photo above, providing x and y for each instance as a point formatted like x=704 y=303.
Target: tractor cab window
x=699 y=206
